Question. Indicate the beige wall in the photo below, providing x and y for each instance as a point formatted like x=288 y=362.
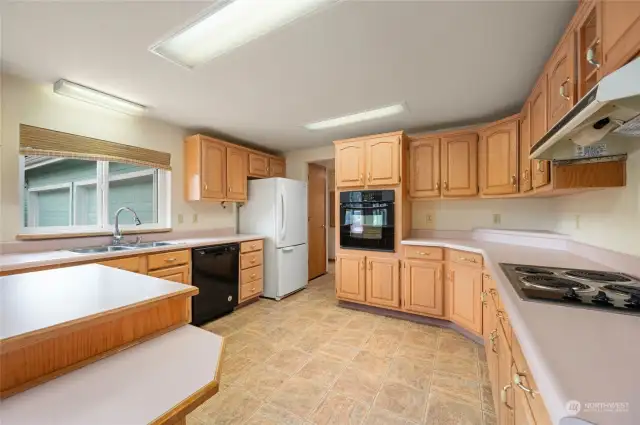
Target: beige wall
x=297 y=160
x=607 y=218
x=36 y=104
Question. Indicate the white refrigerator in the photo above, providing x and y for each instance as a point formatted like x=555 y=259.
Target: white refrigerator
x=277 y=209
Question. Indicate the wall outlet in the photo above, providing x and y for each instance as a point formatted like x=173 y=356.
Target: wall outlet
x=497 y=219
x=429 y=221
x=195 y=218
x=577 y=221
x=180 y=219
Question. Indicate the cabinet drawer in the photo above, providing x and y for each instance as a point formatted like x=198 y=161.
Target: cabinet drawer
x=250 y=289
x=462 y=257
x=251 y=259
x=131 y=264
x=524 y=381
x=424 y=252
x=250 y=275
x=251 y=246
x=178 y=274
x=168 y=259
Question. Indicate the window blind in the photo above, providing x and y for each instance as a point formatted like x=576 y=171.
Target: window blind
x=45 y=142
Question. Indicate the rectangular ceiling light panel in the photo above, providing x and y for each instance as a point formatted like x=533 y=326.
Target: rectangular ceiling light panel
x=230 y=24
x=89 y=95
x=373 y=114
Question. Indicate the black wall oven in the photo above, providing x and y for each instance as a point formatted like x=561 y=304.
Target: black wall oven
x=367 y=219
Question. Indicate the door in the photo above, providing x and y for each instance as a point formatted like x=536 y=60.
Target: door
x=258 y=165
x=291 y=213
x=525 y=146
x=178 y=274
x=292 y=270
x=465 y=305
x=350 y=276
x=350 y=164
x=560 y=73
x=522 y=414
x=317 y=221
x=498 y=159
x=237 y=174
x=383 y=161
x=505 y=410
x=383 y=281
x=620 y=33
x=539 y=129
x=423 y=287
x=589 y=56
x=424 y=168
x=459 y=165
x=276 y=167
x=214 y=170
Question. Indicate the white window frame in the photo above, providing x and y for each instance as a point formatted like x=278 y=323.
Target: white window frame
x=33 y=201
x=162 y=202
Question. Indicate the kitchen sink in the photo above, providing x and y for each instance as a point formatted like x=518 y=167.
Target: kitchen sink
x=118 y=248
x=151 y=244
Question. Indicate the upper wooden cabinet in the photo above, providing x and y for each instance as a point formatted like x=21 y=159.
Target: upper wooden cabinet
x=350 y=164
x=350 y=276
x=498 y=158
x=525 y=146
x=560 y=77
x=459 y=165
x=538 y=128
x=424 y=168
x=258 y=165
x=620 y=33
x=463 y=294
x=369 y=161
x=213 y=163
x=237 y=174
x=423 y=287
x=383 y=282
x=277 y=167
x=589 y=47
x=383 y=161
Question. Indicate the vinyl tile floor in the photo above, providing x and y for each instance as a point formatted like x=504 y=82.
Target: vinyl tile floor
x=305 y=360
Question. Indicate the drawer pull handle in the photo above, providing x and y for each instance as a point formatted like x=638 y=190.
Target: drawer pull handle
x=517 y=379
x=253 y=246
x=468 y=260
x=424 y=253
x=253 y=259
x=253 y=275
x=170 y=259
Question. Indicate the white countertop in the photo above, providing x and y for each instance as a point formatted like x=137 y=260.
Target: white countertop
x=10 y=262
x=39 y=300
x=574 y=353
x=134 y=386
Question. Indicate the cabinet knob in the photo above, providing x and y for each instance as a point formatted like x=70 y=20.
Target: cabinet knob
x=361 y=181
x=369 y=176
x=437 y=185
x=206 y=187
x=562 y=89
x=253 y=275
x=503 y=396
x=446 y=185
x=514 y=180
x=253 y=260
x=229 y=188
x=591 y=55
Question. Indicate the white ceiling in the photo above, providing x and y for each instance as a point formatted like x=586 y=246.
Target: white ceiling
x=452 y=62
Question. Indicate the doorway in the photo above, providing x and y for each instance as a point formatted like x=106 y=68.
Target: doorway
x=317 y=210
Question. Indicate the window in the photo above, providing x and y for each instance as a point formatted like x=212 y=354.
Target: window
x=67 y=195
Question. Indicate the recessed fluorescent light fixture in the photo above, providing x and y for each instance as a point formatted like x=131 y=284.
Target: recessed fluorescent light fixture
x=373 y=114
x=228 y=25
x=89 y=95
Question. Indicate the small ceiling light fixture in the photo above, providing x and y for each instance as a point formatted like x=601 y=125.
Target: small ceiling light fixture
x=230 y=24
x=372 y=114
x=89 y=95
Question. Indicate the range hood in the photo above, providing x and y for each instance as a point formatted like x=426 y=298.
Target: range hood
x=604 y=124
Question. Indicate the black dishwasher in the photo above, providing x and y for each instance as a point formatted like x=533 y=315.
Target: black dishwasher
x=215 y=273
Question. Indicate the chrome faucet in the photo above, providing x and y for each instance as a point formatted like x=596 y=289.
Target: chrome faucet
x=117 y=233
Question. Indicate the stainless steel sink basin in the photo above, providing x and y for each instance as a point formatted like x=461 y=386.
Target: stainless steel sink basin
x=151 y=244
x=117 y=248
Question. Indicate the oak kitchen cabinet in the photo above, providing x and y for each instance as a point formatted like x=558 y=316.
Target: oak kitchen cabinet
x=383 y=282
x=213 y=165
x=423 y=290
x=237 y=174
x=560 y=77
x=620 y=33
x=277 y=167
x=538 y=128
x=258 y=165
x=424 y=167
x=369 y=161
x=459 y=165
x=350 y=276
x=463 y=294
x=498 y=158
x=525 y=146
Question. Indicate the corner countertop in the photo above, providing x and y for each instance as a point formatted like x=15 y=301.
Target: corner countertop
x=12 y=262
x=31 y=302
x=156 y=381
x=574 y=354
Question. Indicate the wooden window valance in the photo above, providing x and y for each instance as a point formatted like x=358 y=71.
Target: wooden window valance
x=44 y=142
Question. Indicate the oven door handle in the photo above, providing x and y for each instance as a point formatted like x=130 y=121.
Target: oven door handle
x=365 y=208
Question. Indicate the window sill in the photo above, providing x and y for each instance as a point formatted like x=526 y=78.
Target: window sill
x=45 y=236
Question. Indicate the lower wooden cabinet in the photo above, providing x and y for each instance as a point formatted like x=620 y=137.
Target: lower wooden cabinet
x=505 y=409
x=522 y=414
x=423 y=287
x=178 y=274
x=464 y=288
x=383 y=282
x=350 y=277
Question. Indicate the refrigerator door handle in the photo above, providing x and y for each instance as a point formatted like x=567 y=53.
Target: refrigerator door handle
x=283 y=228
x=287 y=249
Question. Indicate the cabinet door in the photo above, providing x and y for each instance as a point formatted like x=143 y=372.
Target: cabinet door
x=383 y=161
x=525 y=147
x=383 y=281
x=277 y=167
x=620 y=33
x=505 y=410
x=258 y=165
x=560 y=73
x=589 y=57
x=424 y=168
x=214 y=170
x=522 y=414
x=350 y=164
x=178 y=274
x=350 y=277
x=237 y=174
x=490 y=334
x=459 y=165
x=465 y=304
x=539 y=129
x=498 y=159
x=423 y=287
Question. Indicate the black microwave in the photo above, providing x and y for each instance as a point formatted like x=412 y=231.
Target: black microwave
x=367 y=220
